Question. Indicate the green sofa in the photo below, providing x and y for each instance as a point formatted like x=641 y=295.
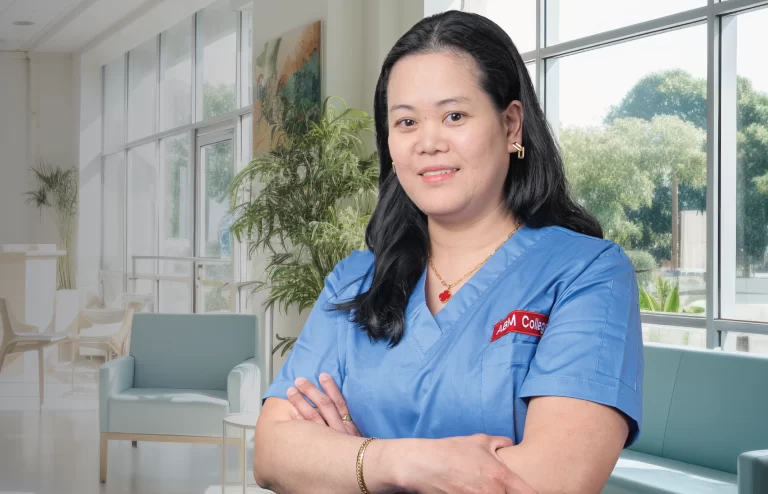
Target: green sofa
x=705 y=425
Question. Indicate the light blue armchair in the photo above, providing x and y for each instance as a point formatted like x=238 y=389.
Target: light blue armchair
x=184 y=374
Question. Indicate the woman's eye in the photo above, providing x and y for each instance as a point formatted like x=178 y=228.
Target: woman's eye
x=407 y=122
x=455 y=117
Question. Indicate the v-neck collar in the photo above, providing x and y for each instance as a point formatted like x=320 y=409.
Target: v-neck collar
x=424 y=330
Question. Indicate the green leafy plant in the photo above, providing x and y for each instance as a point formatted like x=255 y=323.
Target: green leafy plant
x=306 y=203
x=57 y=189
x=665 y=298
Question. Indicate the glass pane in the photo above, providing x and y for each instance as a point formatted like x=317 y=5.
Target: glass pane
x=176 y=228
x=567 y=20
x=675 y=335
x=744 y=168
x=114 y=104
x=113 y=220
x=749 y=343
x=215 y=294
x=217 y=59
x=113 y=291
x=643 y=123
x=516 y=17
x=246 y=141
x=532 y=72
x=176 y=74
x=142 y=215
x=142 y=90
x=246 y=64
x=218 y=165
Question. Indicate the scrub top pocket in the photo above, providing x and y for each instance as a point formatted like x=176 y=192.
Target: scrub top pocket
x=504 y=368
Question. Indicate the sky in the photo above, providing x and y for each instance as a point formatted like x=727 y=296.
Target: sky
x=592 y=81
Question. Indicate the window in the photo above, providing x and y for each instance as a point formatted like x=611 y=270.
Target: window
x=246 y=57
x=176 y=73
x=176 y=229
x=142 y=90
x=744 y=171
x=113 y=228
x=142 y=216
x=114 y=104
x=629 y=127
x=516 y=17
x=568 y=20
x=217 y=60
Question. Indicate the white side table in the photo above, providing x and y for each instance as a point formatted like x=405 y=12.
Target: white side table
x=244 y=422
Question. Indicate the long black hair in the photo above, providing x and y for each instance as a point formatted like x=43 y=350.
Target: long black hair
x=536 y=189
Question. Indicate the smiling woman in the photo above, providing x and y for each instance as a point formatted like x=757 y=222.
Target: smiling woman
x=489 y=336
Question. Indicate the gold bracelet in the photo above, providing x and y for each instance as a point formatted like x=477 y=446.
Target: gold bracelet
x=360 y=455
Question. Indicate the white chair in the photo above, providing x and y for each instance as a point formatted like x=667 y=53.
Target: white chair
x=112 y=343
x=20 y=338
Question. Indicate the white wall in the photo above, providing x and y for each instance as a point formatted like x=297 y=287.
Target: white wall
x=36 y=122
x=14 y=216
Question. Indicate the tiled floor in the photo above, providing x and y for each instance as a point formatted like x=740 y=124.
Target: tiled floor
x=56 y=451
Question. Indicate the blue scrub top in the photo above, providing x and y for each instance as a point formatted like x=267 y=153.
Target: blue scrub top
x=581 y=339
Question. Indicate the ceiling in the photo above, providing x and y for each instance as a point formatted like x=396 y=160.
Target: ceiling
x=60 y=25
x=44 y=13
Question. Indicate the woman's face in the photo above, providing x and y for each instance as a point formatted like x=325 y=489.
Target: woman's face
x=449 y=144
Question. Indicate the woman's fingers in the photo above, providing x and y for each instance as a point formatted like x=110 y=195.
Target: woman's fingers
x=307 y=411
x=295 y=415
x=333 y=392
x=325 y=406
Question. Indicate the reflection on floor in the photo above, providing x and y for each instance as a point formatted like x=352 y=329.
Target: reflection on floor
x=56 y=451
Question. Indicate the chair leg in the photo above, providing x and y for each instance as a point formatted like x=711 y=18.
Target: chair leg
x=103 y=442
x=41 y=376
x=135 y=444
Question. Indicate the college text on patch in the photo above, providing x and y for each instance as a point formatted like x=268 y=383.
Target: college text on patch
x=520 y=321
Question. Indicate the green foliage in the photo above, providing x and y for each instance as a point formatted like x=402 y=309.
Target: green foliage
x=615 y=169
x=57 y=189
x=664 y=298
x=307 y=202
x=679 y=94
x=644 y=264
x=218 y=99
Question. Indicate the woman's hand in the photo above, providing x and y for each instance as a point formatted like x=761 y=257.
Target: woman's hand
x=463 y=465
x=331 y=405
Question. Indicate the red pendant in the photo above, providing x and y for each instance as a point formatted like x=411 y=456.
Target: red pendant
x=445 y=296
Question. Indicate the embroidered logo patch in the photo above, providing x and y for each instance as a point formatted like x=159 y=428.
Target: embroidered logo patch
x=520 y=321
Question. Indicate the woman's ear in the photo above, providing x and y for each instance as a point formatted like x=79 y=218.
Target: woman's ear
x=513 y=123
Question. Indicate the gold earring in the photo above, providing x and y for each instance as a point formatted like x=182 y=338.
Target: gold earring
x=520 y=150
x=394 y=170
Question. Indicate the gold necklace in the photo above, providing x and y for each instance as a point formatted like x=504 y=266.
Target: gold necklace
x=446 y=295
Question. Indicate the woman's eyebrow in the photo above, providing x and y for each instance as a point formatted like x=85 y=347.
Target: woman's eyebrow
x=444 y=102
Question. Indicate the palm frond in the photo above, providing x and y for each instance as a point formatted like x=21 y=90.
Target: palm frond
x=306 y=203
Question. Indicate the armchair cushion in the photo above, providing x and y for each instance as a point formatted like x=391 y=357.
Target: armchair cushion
x=175 y=412
x=243 y=387
x=115 y=377
x=640 y=473
x=753 y=472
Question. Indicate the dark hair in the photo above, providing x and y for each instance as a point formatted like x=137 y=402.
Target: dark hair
x=536 y=188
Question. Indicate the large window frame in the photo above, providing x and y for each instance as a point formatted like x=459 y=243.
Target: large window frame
x=231 y=121
x=715 y=14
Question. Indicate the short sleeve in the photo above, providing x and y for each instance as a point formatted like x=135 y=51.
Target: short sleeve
x=592 y=347
x=317 y=348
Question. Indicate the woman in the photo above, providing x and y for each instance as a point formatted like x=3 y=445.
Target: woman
x=490 y=338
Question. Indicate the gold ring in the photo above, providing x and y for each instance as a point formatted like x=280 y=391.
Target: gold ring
x=346 y=418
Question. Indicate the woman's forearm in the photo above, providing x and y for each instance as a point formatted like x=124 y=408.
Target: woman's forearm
x=302 y=456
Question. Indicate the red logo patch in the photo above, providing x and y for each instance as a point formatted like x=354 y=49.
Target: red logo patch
x=520 y=321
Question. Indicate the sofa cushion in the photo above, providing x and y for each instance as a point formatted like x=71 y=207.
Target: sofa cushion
x=639 y=473
x=168 y=412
